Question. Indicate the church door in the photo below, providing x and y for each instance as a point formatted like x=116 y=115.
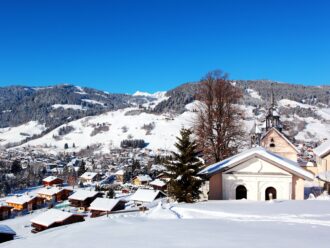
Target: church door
x=241 y=192
x=270 y=193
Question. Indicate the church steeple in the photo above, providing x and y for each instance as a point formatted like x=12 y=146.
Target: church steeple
x=273 y=117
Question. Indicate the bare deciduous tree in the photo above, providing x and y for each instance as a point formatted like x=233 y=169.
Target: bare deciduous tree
x=218 y=126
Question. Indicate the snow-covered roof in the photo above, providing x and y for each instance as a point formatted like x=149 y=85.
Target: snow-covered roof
x=157 y=182
x=261 y=152
x=7 y=230
x=104 y=204
x=146 y=195
x=120 y=173
x=50 y=190
x=50 y=217
x=144 y=178
x=88 y=175
x=20 y=199
x=82 y=195
x=49 y=179
x=323 y=149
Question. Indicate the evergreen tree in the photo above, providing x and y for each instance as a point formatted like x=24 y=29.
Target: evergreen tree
x=111 y=193
x=66 y=146
x=82 y=168
x=184 y=185
x=16 y=167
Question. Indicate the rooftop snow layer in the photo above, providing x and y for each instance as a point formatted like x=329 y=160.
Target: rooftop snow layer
x=50 y=217
x=145 y=195
x=82 y=195
x=7 y=230
x=20 y=199
x=104 y=204
x=88 y=175
x=49 y=179
x=50 y=191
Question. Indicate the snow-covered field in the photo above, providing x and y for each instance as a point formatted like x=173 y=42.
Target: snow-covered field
x=206 y=224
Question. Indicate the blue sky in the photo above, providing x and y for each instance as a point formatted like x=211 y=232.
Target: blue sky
x=124 y=46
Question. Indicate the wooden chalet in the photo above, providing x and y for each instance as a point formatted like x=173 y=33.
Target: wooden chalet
x=6 y=233
x=105 y=206
x=54 y=218
x=54 y=194
x=5 y=212
x=89 y=177
x=141 y=180
x=25 y=202
x=83 y=198
x=158 y=184
x=51 y=181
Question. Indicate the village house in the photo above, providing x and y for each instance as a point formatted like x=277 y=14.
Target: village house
x=104 y=206
x=141 y=180
x=158 y=184
x=83 y=198
x=120 y=176
x=146 y=196
x=53 y=218
x=5 y=212
x=54 y=194
x=6 y=233
x=322 y=154
x=25 y=202
x=89 y=177
x=322 y=169
x=256 y=174
x=51 y=181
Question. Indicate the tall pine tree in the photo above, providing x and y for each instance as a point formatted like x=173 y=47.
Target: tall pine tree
x=184 y=185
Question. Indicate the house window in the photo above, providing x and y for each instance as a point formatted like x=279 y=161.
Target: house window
x=270 y=193
x=241 y=192
x=272 y=142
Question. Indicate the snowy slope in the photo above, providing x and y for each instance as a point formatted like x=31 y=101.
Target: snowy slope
x=162 y=136
x=127 y=123
x=19 y=133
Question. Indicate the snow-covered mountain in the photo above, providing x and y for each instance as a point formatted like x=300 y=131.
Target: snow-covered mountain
x=82 y=117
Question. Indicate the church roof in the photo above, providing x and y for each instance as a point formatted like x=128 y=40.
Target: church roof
x=284 y=163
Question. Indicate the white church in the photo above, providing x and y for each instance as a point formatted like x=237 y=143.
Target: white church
x=269 y=170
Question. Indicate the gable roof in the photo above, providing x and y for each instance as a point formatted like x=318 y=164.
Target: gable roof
x=50 y=217
x=50 y=190
x=7 y=230
x=281 y=162
x=82 y=195
x=88 y=175
x=143 y=178
x=50 y=179
x=146 y=195
x=104 y=204
x=282 y=136
x=20 y=200
x=323 y=149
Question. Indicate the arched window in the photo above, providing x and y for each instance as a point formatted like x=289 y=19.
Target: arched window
x=270 y=193
x=241 y=192
x=272 y=142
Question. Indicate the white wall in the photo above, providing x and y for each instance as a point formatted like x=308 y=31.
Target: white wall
x=257 y=175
